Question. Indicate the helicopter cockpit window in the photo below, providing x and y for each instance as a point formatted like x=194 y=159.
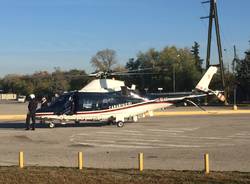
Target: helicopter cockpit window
x=58 y=105
x=106 y=102
x=87 y=104
x=60 y=100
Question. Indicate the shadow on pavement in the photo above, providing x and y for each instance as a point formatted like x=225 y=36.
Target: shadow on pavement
x=21 y=125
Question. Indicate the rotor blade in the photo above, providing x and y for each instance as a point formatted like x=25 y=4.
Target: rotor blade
x=127 y=74
x=133 y=71
x=140 y=69
x=92 y=75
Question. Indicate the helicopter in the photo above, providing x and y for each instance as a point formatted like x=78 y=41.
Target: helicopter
x=109 y=100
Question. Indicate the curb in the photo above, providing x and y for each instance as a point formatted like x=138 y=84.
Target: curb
x=13 y=117
x=190 y=113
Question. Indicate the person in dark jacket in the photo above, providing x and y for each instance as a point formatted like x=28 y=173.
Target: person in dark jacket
x=31 y=112
x=44 y=102
x=69 y=107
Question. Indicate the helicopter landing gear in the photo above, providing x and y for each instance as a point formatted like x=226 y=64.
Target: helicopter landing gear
x=111 y=121
x=151 y=113
x=51 y=125
x=135 y=118
x=77 y=122
x=115 y=121
x=120 y=124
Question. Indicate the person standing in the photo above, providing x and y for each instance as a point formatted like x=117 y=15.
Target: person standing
x=44 y=102
x=69 y=107
x=31 y=113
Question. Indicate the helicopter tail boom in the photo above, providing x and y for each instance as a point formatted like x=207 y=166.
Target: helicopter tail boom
x=203 y=84
x=206 y=79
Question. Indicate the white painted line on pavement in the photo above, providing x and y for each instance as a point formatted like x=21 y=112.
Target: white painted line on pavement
x=113 y=145
x=132 y=131
x=120 y=133
x=169 y=130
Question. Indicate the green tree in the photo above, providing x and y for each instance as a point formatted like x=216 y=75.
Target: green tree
x=59 y=82
x=104 y=60
x=77 y=79
x=14 y=84
x=133 y=64
x=196 y=53
x=170 y=65
x=1 y=84
x=243 y=77
x=45 y=84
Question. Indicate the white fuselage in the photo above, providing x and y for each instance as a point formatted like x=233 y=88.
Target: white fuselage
x=120 y=113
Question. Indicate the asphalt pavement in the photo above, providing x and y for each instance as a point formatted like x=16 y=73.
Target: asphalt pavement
x=168 y=142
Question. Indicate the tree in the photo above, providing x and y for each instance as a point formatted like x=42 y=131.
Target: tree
x=59 y=84
x=168 y=66
x=243 y=77
x=14 y=84
x=133 y=64
x=104 y=60
x=196 y=51
x=43 y=83
x=77 y=79
x=1 y=84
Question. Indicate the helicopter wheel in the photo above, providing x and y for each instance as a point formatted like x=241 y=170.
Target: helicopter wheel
x=51 y=125
x=42 y=122
x=120 y=124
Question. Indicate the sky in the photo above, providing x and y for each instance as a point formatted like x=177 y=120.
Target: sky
x=38 y=35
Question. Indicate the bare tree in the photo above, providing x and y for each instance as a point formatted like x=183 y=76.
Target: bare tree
x=104 y=60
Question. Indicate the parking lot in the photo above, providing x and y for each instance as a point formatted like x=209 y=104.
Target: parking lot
x=176 y=142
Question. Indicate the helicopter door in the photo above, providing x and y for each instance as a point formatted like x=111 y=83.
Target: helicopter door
x=70 y=105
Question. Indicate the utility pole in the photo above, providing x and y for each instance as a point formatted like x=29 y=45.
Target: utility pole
x=174 y=78
x=235 y=85
x=213 y=17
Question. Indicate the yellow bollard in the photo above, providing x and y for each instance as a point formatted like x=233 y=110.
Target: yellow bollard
x=235 y=108
x=21 y=160
x=206 y=162
x=80 y=160
x=140 y=158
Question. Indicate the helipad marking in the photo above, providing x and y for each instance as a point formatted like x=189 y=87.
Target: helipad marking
x=209 y=138
x=179 y=145
x=169 y=130
x=120 y=133
x=82 y=134
x=114 y=145
x=142 y=140
x=100 y=141
x=187 y=129
x=212 y=138
x=8 y=132
x=139 y=145
x=132 y=131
